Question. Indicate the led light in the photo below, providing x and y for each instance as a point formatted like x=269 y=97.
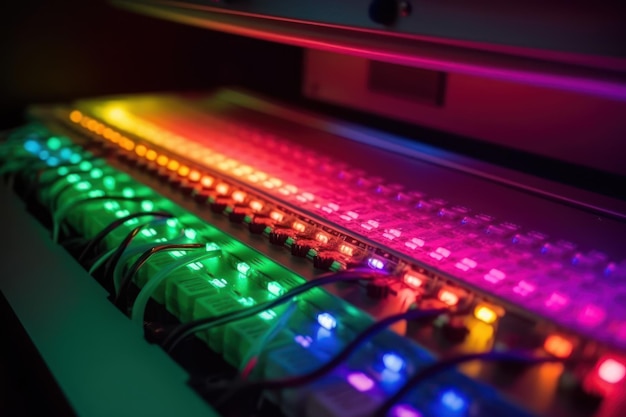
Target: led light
x=494 y=276
x=304 y=341
x=54 y=143
x=53 y=161
x=96 y=173
x=212 y=246
x=591 y=315
x=448 y=297
x=85 y=166
x=149 y=232
x=375 y=263
x=111 y=205
x=321 y=237
x=238 y=196
x=32 y=146
x=194 y=176
x=360 y=381
x=109 y=182
x=611 y=371
x=219 y=283
x=393 y=362
x=413 y=280
x=44 y=154
x=222 y=188
x=75 y=158
x=76 y=116
x=95 y=193
x=141 y=150
x=128 y=192
x=207 y=181
x=183 y=170
x=122 y=213
x=485 y=313
x=246 y=301
x=151 y=155
x=62 y=171
x=327 y=321
x=558 y=346
x=275 y=288
x=243 y=268
x=453 y=401
x=72 y=178
x=300 y=227
x=162 y=160
x=346 y=249
x=403 y=410
x=173 y=165
x=171 y=222
x=147 y=205
x=83 y=186
x=278 y=216
x=190 y=234
x=267 y=315
x=256 y=205
x=65 y=153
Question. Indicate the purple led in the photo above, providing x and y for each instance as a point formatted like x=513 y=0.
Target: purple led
x=360 y=381
x=403 y=410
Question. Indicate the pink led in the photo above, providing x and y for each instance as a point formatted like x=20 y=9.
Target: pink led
x=403 y=410
x=418 y=242
x=436 y=256
x=387 y=235
x=556 y=301
x=524 y=288
x=443 y=252
x=360 y=381
x=462 y=266
x=353 y=214
x=611 y=371
x=333 y=206
x=366 y=226
x=373 y=223
x=469 y=262
x=494 y=276
x=591 y=315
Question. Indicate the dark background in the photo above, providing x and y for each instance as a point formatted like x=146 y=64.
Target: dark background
x=59 y=50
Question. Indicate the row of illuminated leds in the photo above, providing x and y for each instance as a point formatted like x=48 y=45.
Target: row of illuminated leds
x=391 y=362
x=556 y=344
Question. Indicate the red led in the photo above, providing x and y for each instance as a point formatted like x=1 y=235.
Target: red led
x=449 y=297
x=413 y=280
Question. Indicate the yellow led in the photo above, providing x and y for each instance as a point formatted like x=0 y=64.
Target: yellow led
x=300 y=227
x=239 y=196
x=91 y=125
x=99 y=129
x=183 y=171
x=256 y=205
x=115 y=137
x=76 y=116
x=485 y=314
x=108 y=133
x=141 y=150
x=222 y=188
x=194 y=176
x=278 y=216
x=162 y=160
x=173 y=165
x=346 y=249
x=321 y=237
x=151 y=155
x=207 y=181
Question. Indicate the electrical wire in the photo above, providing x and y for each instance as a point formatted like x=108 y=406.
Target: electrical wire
x=338 y=359
x=445 y=364
x=139 y=306
x=186 y=329
x=128 y=277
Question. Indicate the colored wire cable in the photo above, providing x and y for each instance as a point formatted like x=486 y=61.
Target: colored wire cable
x=139 y=306
x=445 y=364
x=186 y=329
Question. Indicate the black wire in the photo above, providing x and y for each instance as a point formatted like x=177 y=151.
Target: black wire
x=128 y=277
x=342 y=356
x=186 y=329
x=114 y=225
x=442 y=365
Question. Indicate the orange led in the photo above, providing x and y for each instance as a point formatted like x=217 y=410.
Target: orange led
x=413 y=280
x=277 y=215
x=76 y=116
x=194 y=176
x=151 y=155
x=448 y=297
x=91 y=125
x=183 y=171
x=239 y=196
x=99 y=128
x=141 y=150
x=115 y=137
x=486 y=313
x=558 y=346
x=222 y=188
x=162 y=160
x=256 y=205
x=300 y=227
x=346 y=249
x=321 y=237
x=173 y=165
x=108 y=133
x=207 y=181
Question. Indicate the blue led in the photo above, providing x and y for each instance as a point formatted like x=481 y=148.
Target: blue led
x=327 y=321
x=393 y=362
x=53 y=161
x=75 y=158
x=32 y=146
x=65 y=153
x=43 y=155
x=453 y=401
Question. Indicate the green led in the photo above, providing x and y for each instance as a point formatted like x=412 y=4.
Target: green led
x=218 y=282
x=148 y=232
x=122 y=213
x=85 y=166
x=267 y=315
x=212 y=246
x=131 y=222
x=147 y=205
x=83 y=186
x=75 y=158
x=112 y=205
x=275 y=288
x=195 y=266
x=109 y=182
x=54 y=143
x=246 y=301
x=95 y=193
x=177 y=253
x=128 y=192
x=63 y=171
x=171 y=222
x=72 y=178
x=243 y=268
x=190 y=234
x=96 y=173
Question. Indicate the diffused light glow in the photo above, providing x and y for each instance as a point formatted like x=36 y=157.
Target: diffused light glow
x=591 y=315
x=393 y=362
x=256 y=205
x=327 y=321
x=194 y=176
x=162 y=160
x=141 y=150
x=173 y=165
x=218 y=282
x=32 y=146
x=76 y=116
x=375 y=263
x=346 y=249
x=611 y=371
x=183 y=170
x=485 y=313
x=267 y=315
x=151 y=155
x=298 y=226
x=453 y=401
x=413 y=280
x=243 y=268
x=321 y=237
x=277 y=216
x=222 y=188
x=404 y=410
x=207 y=181
x=495 y=276
x=448 y=297
x=360 y=381
x=238 y=196
x=558 y=346
x=275 y=288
